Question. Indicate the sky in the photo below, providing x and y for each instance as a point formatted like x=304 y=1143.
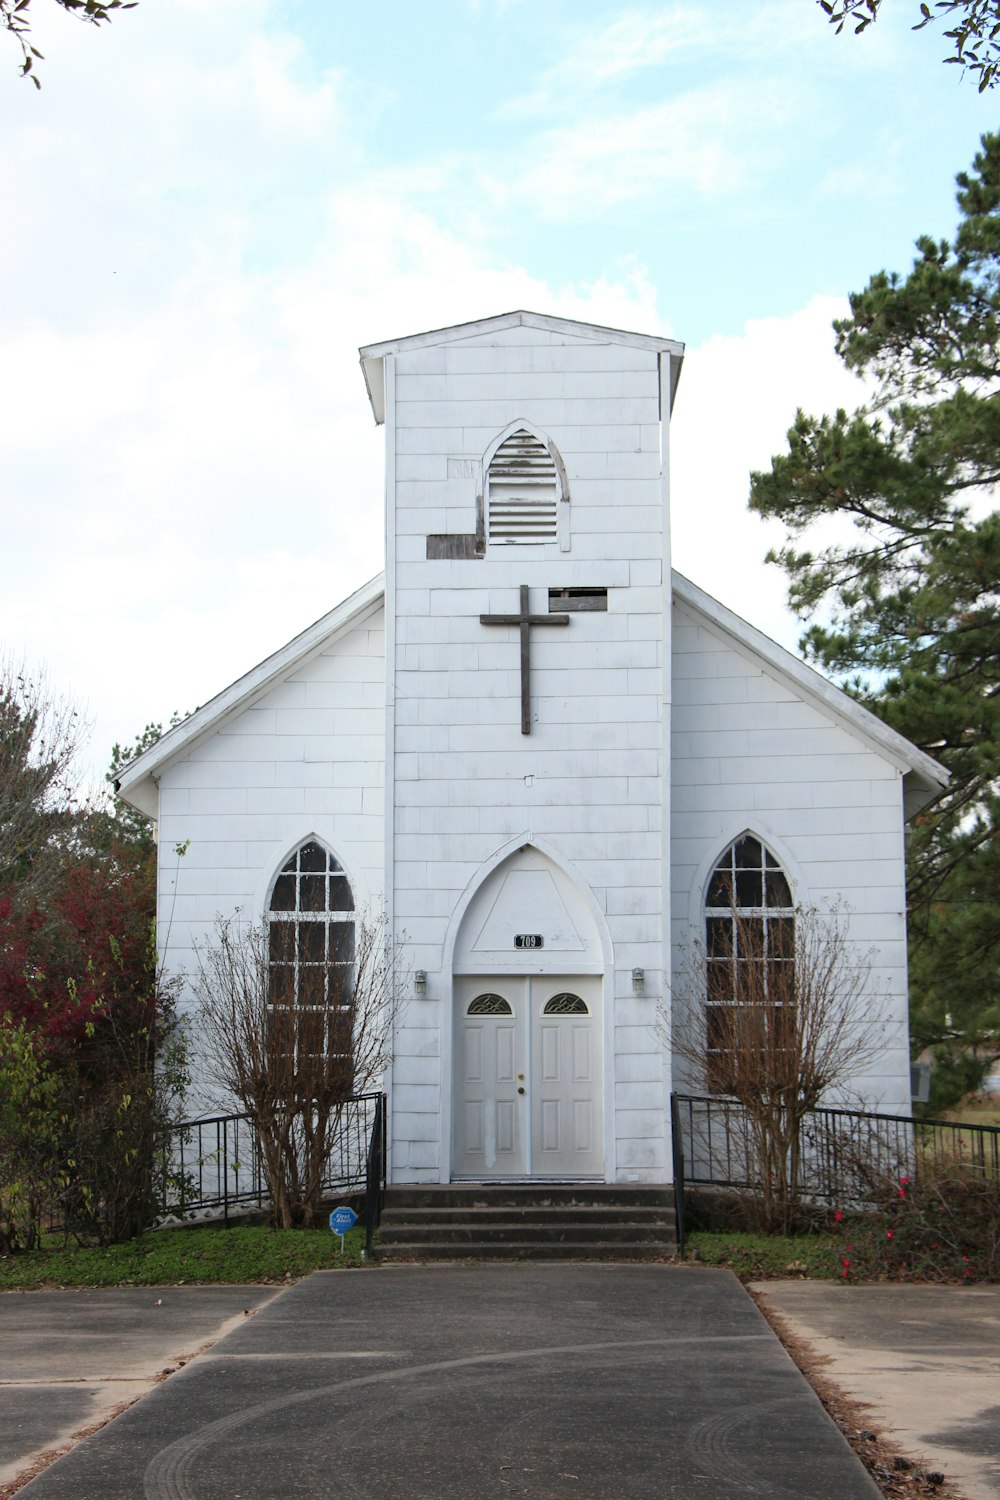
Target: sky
x=210 y=204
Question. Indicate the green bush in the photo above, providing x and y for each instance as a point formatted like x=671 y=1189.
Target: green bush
x=30 y=1125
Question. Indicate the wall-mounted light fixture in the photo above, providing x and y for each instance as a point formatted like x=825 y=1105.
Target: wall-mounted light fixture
x=420 y=982
x=638 y=980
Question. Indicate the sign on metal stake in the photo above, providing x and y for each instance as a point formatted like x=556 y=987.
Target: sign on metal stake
x=341 y=1220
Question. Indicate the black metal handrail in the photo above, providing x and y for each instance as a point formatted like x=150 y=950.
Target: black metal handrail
x=843 y=1155
x=213 y=1166
x=677 y=1149
x=375 y=1175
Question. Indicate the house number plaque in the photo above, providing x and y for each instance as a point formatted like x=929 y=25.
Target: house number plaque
x=528 y=940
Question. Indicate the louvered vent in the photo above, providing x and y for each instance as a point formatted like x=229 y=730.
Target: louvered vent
x=523 y=491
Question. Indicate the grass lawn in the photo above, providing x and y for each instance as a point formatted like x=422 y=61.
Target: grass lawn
x=169 y=1257
x=252 y=1252
x=980 y=1109
x=759 y=1257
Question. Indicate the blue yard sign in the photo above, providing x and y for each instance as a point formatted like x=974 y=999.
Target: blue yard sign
x=341 y=1220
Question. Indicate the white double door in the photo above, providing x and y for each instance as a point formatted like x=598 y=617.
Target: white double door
x=527 y=1100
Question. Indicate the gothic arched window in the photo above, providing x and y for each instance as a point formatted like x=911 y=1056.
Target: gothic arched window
x=750 y=958
x=311 y=937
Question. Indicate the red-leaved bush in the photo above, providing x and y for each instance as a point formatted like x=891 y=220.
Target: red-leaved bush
x=81 y=976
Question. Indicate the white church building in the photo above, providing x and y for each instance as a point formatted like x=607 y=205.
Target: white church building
x=542 y=750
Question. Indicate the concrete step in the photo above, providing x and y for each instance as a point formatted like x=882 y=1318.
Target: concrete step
x=512 y=1230
x=576 y=1221
x=537 y=1195
x=482 y=1214
x=524 y=1250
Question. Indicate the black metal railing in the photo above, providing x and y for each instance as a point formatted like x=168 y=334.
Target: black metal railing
x=677 y=1148
x=375 y=1175
x=842 y=1155
x=211 y=1168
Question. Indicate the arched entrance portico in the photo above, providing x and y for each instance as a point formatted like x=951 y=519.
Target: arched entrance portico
x=528 y=1029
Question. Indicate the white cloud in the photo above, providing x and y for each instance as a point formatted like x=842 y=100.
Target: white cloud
x=231 y=490
x=207 y=473
x=709 y=140
x=609 y=54
x=200 y=232
x=736 y=401
x=599 y=56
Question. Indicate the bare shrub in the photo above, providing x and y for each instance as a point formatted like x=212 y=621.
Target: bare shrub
x=775 y=1017
x=292 y=1065
x=942 y=1225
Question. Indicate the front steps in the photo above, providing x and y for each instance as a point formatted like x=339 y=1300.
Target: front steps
x=539 y=1221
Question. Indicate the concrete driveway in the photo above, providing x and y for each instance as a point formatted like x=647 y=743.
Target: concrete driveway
x=600 y=1382
x=68 y=1360
x=924 y=1359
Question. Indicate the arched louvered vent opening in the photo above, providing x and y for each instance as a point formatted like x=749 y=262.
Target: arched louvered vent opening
x=523 y=491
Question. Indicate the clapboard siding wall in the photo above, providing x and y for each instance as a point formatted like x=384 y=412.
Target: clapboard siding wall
x=748 y=753
x=586 y=784
x=306 y=758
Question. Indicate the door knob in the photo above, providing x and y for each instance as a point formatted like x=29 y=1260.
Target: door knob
x=520 y=1091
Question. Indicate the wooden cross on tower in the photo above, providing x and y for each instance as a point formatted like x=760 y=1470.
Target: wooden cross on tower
x=525 y=620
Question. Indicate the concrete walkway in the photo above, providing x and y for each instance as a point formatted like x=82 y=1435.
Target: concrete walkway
x=591 y=1381
x=68 y=1360
x=924 y=1359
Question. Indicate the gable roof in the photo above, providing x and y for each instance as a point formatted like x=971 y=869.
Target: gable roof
x=923 y=778
x=137 y=782
x=373 y=355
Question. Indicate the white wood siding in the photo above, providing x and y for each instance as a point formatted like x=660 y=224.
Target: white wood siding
x=587 y=782
x=749 y=754
x=306 y=758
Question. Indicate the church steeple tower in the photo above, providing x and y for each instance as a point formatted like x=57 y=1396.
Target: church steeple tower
x=527 y=488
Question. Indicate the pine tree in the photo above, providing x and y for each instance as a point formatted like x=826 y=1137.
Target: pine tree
x=904 y=602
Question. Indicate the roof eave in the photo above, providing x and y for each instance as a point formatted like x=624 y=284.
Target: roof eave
x=924 y=779
x=373 y=355
x=138 y=782
x=373 y=369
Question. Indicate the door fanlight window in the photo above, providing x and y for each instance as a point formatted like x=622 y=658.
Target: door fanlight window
x=565 y=1005
x=489 y=1005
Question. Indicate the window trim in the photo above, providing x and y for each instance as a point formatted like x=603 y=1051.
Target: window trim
x=562 y=537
